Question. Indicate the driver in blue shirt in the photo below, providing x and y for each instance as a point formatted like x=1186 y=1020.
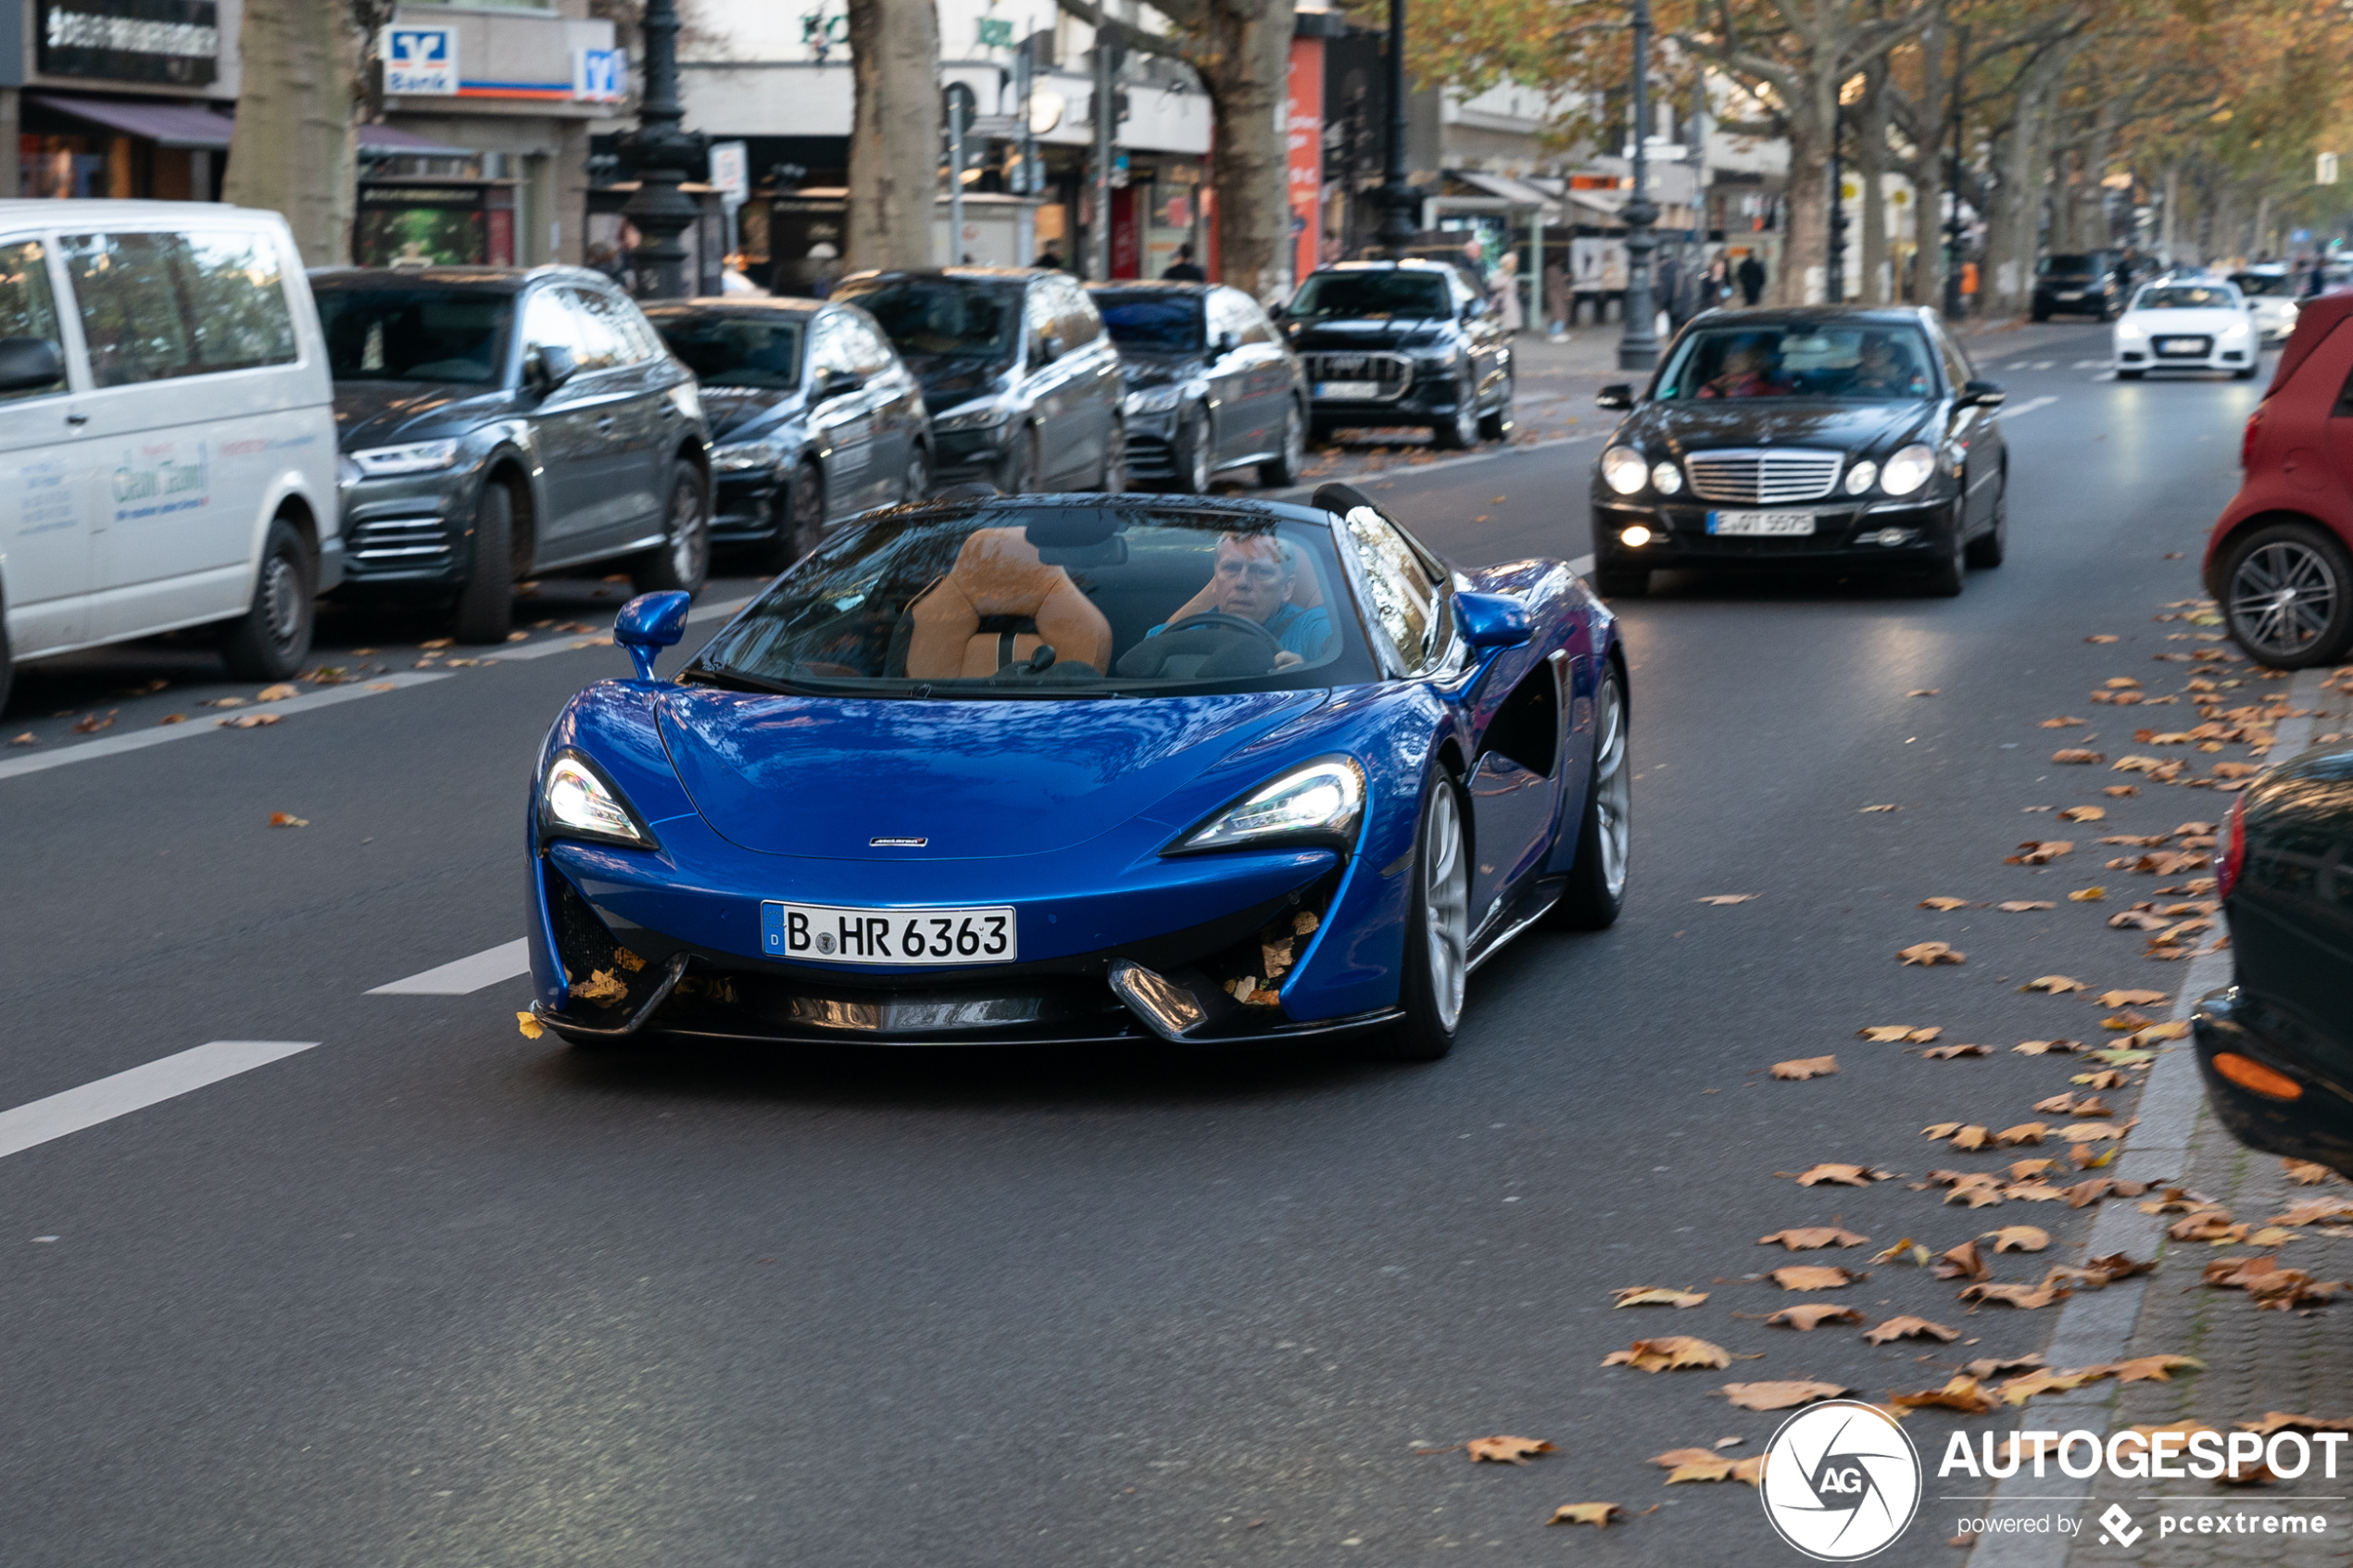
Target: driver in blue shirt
x=1254 y=578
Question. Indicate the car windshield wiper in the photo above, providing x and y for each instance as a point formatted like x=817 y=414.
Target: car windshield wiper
x=735 y=680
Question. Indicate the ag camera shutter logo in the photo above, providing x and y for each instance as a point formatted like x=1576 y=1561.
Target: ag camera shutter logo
x=1842 y=1481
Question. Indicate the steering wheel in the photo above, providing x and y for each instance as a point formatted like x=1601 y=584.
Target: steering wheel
x=1217 y=620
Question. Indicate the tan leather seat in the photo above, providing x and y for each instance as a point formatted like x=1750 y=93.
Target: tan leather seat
x=998 y=574
x=1306 y=590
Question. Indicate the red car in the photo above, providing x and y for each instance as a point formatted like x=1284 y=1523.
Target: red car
x=2280 y=562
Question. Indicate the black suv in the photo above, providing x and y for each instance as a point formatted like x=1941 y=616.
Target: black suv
x=1401 y=342
x=1022 y=380
x=1210 y=385
x=2091 y=284
x=499 y=422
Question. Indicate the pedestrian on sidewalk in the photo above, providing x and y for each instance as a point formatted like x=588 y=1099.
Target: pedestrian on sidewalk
x=1751 y=278
x=1556 y=300
x=1718 y=287
x=1502 y=293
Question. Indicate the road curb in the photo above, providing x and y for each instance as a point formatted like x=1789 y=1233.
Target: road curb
x=2097 y=1325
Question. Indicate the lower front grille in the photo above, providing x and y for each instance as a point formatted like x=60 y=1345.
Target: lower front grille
x=1359 y=378
x=401 y=541
x=2183 y=347
x=1763 y=476
x=1148 y=457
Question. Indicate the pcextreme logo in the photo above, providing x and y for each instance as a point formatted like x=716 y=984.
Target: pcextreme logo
x=1842 y=1481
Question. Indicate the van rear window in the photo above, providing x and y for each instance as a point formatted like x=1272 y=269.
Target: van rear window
x=156 y=307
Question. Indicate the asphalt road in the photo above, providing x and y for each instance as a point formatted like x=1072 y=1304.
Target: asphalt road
x=431 y=1293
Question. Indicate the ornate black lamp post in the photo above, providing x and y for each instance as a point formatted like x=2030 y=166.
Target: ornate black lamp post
x=1956 y=307
x=1397 y=227
x=1638 y=348
x=664 y=157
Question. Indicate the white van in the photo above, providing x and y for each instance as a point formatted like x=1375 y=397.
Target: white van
x=167 y=432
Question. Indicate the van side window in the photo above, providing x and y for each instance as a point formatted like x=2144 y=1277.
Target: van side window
x=236 y=298
x=27 y=309
x=131 y=307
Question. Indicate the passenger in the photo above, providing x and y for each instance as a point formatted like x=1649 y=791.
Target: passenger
x=1748 y=372
x=1254 y=579
x=1883 y=374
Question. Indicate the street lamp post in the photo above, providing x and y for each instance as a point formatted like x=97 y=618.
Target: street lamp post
x=1835 y=273
x=664 y=157
x=1638 y=347
x=1953 y=305
x=1397 y=201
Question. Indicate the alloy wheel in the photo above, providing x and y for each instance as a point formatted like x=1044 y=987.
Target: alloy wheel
x=689 y=532
x=1197 y=464
x=1446 y=905
x=1613 y=789
x=2283 y=596
x=281 y=600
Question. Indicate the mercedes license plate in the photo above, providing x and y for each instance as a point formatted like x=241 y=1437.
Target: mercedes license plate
x=1346 y=389
x=834 y=934
x=1772 y=523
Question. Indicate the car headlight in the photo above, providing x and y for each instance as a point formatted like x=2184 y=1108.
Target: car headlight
x=575 y=802
x=743 y=456
x=1155 y=399
x=2130 y=329
x=1909 y=469
x=1667 y=479
x=1439 y=359
x=1321 y=802
x=973 y=416
x=1859 y=477
x=2236 y=329
x=418 y=456
x=1624 y=471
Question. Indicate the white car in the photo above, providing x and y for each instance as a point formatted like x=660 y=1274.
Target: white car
x=2184 y=324
x=2271 y=294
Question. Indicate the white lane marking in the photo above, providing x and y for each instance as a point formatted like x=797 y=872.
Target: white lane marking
x=2027 y=406
x=604 y=639
x=2041 y=364
x=138 y=740
x=1583 y=566
x=139 y=1087
x=1417 y=469
x=2089 y=365
x=465 y=975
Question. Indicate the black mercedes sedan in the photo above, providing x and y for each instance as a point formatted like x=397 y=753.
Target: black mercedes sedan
x=1403 y=342
x=1814 y=437
x=814 y=418
x=2276 y=1046
x=496 y=422
x=1210 y=385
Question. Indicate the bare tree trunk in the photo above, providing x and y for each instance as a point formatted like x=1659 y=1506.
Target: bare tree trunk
x=1870 y=166
x=1242 y=52
x=1804 y=277
x=1927 y=171
x=2168 y=233
x=894 y=135
x=293 y=150
x=2015 y=224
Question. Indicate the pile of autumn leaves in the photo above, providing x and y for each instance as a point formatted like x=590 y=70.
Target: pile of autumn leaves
x=2082 y=1134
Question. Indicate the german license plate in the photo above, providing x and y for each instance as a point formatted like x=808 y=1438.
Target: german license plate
x=1770 y=523
x=1347 y=389
x=2179 y=345
x=2071 y=294
x=834 y=934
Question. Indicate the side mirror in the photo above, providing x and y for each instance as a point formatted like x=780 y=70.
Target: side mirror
x=647 y=624
x=30 y=363
x=1221 y=344
x=833 y=384
x=1982 y=394
x=1492 y=620
x=557 y=366
x=1618 y=395
x=1050 y=347
x=1473 y=310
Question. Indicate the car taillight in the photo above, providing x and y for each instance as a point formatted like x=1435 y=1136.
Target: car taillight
x=2246 y=442
x=2234 y=860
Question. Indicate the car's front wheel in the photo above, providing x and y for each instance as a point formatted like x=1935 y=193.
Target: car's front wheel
x=1949 y=574
x=682 y=560
x=1021 y=467
x=1597 y=879
x=1497 y=423
x=1460 y=432
x=2287 y=592
x=487 y=602
x=272 y=639
x=801 y=519
x=915 y=485
x=1437 y=962
x=1989 y=548
x=1114 y=475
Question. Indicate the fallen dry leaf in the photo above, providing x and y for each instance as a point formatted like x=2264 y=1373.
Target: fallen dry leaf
x=2091 y=1132
x=1594 y=1513
x=1781 y=1396
x=1962 y=1392
x=2052 y=984
x=2102 y=637
x=2020 y=1239
x=603 y=987
x=1911 y=1328
x=1813 y=1315
x=278 y=693
x=2025 y=1132
x=2121 y=683
x=1726 y=898
x=1929 y=954
x=2087 y=896
x=2121 y=792
x=1887 y=1032
x=2130 y=999
x=1946 y=1053
x=1806 y=1067
x=1838 y=1174
x=2044 y=1048
x=1656 y=1295
x=2022 y=905
x=2023 y=1170
x=1869 y=811
x=2078 y=755
x=2109 y=1079
x=2040 y=851
x=287 y=819
x=2116 y=1266
x=1506 y=1450
x=1995 y=1366
x=250 y=721
x=1711 y=1468
x=1673 y=1457
x=1809 y=1237
x=2017 y=1390
x=2064 y=722
x=1674 y=1352
x=2027 y=1296
x=1905 y=1251
x=2084 y=813
x=2155 y=1369
x=2280 y=1421
x=1923 y=691
x=1812 y=1276
x=1973 y=1196
x=530 y=1026
x=1942 y=902
x=2304 y=1173
x=2312 y=1212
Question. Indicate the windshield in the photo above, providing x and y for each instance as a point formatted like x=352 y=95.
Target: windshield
x=2274 y=285
x=415 y=334
x=1154 y=323
x=1376 y=295
x=2051 y=264
x=1801 y=359
x=2187 y=297
x=730 y=350
x=935 y=316
x=1013 y=602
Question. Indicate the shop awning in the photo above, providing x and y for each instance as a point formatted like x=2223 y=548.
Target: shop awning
x=167 y=125
x=1513 y=191
x=390 y=141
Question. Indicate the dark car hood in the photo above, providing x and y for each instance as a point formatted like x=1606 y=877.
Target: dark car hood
x=823 y=777
x=1342 y=335
x=373 y=413
x=737 y=413
x=1764 y=421
x=1157 y=370
x=951 y=378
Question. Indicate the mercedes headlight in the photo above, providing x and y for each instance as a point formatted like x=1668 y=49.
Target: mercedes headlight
x=1859 y=477
x=1624 y=471
x=743 y=456
x=1667 y=479
x=575 y=802
x=1909 y=469
x=980 y=415
x=418 y=456
x=1322 y=803
x=1155 y=399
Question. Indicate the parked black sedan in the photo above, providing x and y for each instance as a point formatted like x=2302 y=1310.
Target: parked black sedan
x=1022 y=380
x=2276 y=1046
x=1210 y=383
x=812 y=417
x=496 y=422
x=1403 y=342
x=1804 y=437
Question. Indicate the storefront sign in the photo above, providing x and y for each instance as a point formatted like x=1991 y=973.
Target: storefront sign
x=1304 y=135
x=420 y=61
x=173 y=41
x=600 y=76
